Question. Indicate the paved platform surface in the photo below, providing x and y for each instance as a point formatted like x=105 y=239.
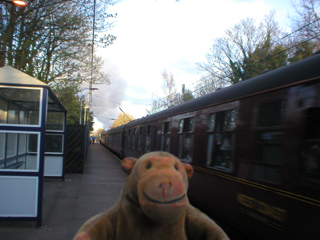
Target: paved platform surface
x=67 y=205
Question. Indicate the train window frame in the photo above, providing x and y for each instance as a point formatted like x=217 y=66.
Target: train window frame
x=165 y=136
x=269 y=141
x=154 y=139
x=311 y=146
x=119 y=137
x=133 y=138
x=128 y=132
x=221 y=137
x=148 y=138
x=186 y=136
x=140 y=138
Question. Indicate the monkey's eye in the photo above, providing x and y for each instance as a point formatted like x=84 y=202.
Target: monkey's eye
x=149 y=165
x=176 y=167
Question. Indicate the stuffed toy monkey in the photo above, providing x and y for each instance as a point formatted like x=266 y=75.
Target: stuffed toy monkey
x=153 y=205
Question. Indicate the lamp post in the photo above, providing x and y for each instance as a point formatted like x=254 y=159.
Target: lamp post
x=85 y=109
x=92 y=51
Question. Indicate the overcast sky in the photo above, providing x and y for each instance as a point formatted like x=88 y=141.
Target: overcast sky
x=153 y=35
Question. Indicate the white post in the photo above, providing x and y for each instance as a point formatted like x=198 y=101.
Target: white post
x=80 y=118
x=85 y=115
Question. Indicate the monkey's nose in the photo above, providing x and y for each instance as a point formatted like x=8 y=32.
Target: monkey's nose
x=165 y=189
x=165 y=185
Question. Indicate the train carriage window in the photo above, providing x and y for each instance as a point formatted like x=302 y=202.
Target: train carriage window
x=140 y=138
x=270 y=114
x=154 y=139
x=148 y=139
x=311 y=146
x=165 y=136
x=268 y=142
x=128 y=137
x=186 y=128
x=268 y=158
x=221 y=138
x=134 y=138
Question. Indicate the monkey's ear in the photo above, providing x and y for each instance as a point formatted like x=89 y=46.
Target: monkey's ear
x=128 y=164
x=189 y=170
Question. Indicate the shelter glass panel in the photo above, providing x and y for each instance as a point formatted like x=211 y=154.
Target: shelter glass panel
x=55 y=121
x=54 y=143
x=11 y=144
x=22 y=147
x=2 y=145
x=15 y=154
x=19 y=106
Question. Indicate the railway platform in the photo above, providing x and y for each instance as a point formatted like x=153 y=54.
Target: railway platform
x=67 y=205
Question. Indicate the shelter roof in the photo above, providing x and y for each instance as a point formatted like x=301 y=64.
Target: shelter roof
x=10 y=75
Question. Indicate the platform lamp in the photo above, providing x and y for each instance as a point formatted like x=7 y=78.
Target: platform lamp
x=19 y=3
x=85 y=109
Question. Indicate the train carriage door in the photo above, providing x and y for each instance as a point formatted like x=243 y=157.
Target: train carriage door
x=308 y=105
x=311 y=145
x=269 y=141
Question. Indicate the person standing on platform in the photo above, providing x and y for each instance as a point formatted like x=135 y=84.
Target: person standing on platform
x=93 y=139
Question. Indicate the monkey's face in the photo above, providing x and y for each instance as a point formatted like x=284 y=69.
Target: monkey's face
x=162 y=187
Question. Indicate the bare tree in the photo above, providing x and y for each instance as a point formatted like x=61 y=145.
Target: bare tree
x=171 y=96
x=245 y=51
x=307 y=21
x=169 y=88
x=306 y=29
x=207 y=85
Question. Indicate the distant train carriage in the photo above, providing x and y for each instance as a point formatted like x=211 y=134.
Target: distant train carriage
x=255 y=148
x=112 y=139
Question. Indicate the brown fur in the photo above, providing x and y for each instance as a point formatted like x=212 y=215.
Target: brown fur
x=153 y=205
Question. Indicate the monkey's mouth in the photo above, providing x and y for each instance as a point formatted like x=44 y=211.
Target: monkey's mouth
x=163 y=202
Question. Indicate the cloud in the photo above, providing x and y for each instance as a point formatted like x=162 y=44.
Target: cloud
x=107 y=100
x=165 y=34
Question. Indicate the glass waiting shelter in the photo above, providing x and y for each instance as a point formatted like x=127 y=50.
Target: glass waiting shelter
x=32 y=143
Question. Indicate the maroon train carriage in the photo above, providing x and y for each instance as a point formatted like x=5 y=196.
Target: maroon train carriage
x=112 y=139
x=255 y=148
